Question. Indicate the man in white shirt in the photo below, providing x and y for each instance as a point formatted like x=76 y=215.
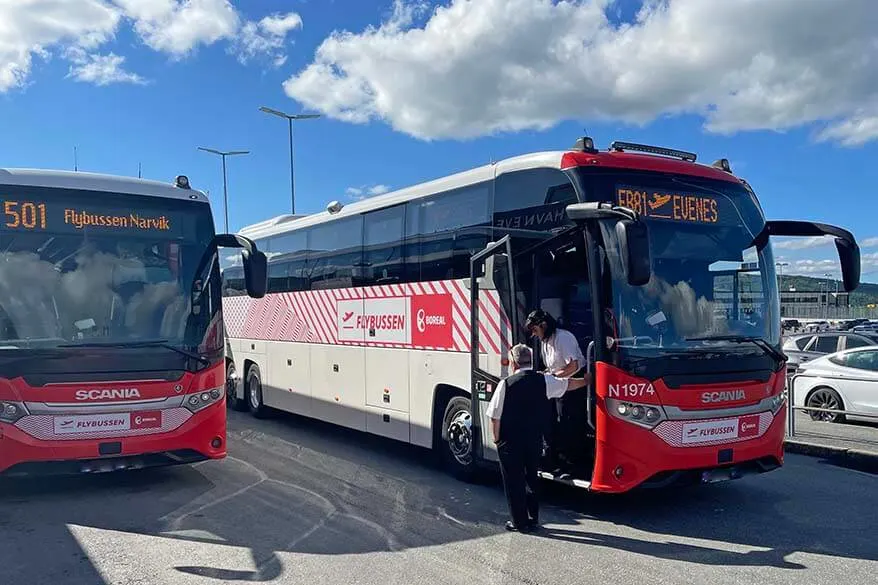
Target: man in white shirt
x=517 y=428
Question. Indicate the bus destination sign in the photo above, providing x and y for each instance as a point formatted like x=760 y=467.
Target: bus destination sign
x=696 y=208
x=37 y=216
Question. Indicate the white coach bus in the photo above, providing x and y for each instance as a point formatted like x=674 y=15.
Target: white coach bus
x=387 y=315
x=366 y=323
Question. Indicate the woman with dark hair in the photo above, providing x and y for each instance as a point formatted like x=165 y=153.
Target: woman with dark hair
x=560 y=351
x=562 y=358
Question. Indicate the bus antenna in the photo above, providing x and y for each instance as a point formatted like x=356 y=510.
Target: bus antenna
x=75 y=160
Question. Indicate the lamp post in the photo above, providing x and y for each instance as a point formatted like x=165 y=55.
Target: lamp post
x=289 y=118
x=224 y=154
x=780 y=267
x=829 y=276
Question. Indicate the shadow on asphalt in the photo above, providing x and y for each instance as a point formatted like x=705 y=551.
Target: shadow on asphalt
x=293 y=485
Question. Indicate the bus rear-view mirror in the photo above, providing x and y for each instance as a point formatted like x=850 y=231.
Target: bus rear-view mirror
x=255 y=273
x=849 y=257
x=845 y=243
x=633 y=236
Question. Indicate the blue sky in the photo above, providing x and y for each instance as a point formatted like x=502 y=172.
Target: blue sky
x=410 y=93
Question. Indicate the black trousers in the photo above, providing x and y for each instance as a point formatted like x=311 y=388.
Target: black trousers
x=519 y=463
x=572 y=425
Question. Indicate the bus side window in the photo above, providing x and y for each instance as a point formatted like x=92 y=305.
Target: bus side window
x=444 y=230
x=290 y=249
x=278 y=276
x=383 y=233
x=335 y=253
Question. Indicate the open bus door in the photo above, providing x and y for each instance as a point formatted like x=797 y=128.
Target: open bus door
x=560 y=284
x=495 y=279
x=492 y=284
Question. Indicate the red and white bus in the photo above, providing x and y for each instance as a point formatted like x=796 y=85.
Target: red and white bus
x=394 y=315
x=112 y=346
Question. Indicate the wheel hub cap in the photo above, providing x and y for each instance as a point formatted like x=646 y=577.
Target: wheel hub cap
x=460 y=436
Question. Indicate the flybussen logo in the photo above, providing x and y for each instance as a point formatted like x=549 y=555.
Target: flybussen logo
x=725 y=396
x=114 y=394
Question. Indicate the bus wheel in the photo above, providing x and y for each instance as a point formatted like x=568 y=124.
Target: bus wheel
x=232 y=400
x=458 y=444
x=254 y=393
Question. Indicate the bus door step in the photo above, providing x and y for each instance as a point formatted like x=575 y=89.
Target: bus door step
x=580 y=483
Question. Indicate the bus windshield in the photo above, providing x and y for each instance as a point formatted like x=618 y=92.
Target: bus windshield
x=103 y=268
x=713 y=281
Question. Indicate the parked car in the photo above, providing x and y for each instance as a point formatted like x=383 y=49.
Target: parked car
x=817 y=326
x=847 y=380
x=808 y=346
x=851 y=323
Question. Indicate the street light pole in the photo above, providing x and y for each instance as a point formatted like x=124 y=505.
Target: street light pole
x=827 y=275
x=289 y=118
x=224 y=154
x=780 y=266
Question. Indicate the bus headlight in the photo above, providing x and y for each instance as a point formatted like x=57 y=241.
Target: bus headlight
x=10 y=412
x=644 y=415
x=200 y=400
x=777 y=401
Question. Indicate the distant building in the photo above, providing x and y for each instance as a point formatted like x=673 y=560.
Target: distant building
x=814 y=304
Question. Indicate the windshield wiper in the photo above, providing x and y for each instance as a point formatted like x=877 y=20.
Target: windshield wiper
x=134 y=344
x=758 y=341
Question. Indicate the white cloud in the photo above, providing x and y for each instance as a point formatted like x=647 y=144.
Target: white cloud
x=102 y=70
x=177 y=27
x=869 y=243
x=364 y=191
x=802 y=243
x=266 y=38
x=474 y=68
x=32 y=29
x=821 y=267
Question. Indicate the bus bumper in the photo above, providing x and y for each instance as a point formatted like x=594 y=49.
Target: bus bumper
x=201 y=437
x=622 y=465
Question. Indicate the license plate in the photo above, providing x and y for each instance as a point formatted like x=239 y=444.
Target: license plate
x=101 y=423
x=92 y=423
x=718 y=431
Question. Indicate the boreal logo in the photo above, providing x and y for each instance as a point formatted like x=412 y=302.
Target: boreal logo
x=431 y=320
x=423 y=320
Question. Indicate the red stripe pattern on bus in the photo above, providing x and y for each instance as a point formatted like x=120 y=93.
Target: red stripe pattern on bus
x=419 y=315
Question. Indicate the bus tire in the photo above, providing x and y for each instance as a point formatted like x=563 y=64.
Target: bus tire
x=232 y=400
x=254 y=393
x=457 y=439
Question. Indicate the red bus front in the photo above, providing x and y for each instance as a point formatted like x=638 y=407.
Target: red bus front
x=109 y=426
x=111 y=338
x=689 y=376
x=653 y=435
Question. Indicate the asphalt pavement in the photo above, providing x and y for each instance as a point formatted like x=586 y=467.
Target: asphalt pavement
x=302 y=502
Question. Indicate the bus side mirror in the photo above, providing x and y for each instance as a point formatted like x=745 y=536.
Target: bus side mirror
x=849 y=257
x=845 y=243
x=634 y=251
x=255 y=273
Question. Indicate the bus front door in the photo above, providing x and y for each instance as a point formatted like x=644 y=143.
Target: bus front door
x=494 y=328
x=558 y=283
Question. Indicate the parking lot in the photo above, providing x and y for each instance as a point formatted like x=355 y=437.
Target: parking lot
x=302 y=502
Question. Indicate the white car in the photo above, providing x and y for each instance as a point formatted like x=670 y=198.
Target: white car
x=847 y=380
